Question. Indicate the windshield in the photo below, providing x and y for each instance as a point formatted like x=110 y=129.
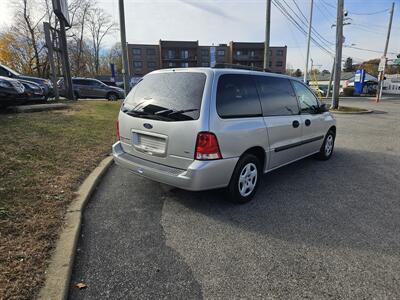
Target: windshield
x=174 y=96
x=11 y=71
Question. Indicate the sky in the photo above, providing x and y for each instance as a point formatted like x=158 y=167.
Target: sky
x=221 y=21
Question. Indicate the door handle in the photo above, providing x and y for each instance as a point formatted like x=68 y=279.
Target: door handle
x=308 y=122
x=295 y=124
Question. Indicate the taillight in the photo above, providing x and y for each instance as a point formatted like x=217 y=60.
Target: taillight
x=207 y=147
x=117 y=128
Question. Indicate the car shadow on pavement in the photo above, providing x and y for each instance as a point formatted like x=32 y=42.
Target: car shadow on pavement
x=350 y=201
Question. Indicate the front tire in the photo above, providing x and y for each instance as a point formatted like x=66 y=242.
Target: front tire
x=245 y=179
x=326 y=150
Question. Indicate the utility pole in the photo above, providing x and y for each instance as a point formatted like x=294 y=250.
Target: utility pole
x=308 y=40
x=382 y=71
x=338 y=56
x=330 y=80
x=123 y=46
x=267 y=34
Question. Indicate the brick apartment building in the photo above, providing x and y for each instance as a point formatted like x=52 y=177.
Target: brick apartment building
x=144 y=58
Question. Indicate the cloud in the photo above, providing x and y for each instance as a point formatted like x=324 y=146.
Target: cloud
x=209 y=8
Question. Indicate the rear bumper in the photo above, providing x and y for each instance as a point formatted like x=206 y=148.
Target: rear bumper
x=200 y=175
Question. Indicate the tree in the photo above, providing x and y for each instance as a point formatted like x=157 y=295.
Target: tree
x=348 y=65
x=298 y=73
x=325 y=72
x=99 y=25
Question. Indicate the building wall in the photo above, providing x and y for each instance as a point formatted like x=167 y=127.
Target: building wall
x=175 y=54
x=143 y=59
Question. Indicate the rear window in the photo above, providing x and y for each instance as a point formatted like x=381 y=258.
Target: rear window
x=237 y=96
x=174 y=96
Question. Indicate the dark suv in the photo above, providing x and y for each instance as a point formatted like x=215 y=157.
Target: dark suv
x=92 y=88
x=45 y=84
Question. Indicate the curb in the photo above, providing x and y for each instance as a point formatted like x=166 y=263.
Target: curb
x=58 y=272
x=38 y=107
x=352 y=113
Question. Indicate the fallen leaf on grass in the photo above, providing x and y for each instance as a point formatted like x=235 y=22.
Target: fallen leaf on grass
x=81 y=285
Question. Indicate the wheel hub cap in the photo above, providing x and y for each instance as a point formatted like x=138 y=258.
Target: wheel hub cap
x=248 y=179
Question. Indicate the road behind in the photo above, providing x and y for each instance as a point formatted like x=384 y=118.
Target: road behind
x=315 y=229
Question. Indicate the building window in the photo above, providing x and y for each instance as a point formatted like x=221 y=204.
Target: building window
x=270 y=63
x=185 y=65
x=137 y=64
x=279 y=52
x=205 y=64
x=279 y=63
x=184 y=54
x=151 y=64
x=171 y=64
x=171 y=54
x=137 y=51
x=252 y=53
x=205 y=52
x=270 y=52
x=150 y=52
x=221 y=52
x=238 y=52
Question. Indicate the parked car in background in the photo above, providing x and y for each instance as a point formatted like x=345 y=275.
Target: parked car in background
x=92 y=88
x=11 y=91
x=45 y=84
x=33 y=92
x=109 y=82
x=207 y=128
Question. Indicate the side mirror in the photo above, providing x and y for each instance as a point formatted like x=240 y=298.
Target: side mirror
x=323 y=108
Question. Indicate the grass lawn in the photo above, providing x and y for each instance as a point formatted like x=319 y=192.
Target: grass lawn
x=44 y=157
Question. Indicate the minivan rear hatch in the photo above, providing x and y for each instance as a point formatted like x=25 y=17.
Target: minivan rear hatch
x=160 y=118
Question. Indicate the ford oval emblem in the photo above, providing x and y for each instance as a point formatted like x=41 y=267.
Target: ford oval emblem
x=147 y=126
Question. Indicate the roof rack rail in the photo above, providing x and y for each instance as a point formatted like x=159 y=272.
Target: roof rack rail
x=240 y=67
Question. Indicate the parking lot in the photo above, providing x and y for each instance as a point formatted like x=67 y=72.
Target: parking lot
x=315 y=229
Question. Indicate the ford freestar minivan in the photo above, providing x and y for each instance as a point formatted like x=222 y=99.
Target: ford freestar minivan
x=207 y=128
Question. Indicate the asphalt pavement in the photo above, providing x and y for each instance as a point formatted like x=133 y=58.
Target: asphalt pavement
x=314 y=230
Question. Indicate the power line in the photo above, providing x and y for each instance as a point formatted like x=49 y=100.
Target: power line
x=369 y=14
x=284 y=11
x=369 y=50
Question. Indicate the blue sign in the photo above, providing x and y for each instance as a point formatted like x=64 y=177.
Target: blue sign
x=359 y=81
x=112 y=66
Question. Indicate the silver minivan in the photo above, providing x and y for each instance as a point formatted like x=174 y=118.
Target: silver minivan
x=208 y=128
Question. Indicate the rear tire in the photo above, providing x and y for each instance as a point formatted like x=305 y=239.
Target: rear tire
x=112 y=97
x=326 y=150
x=245 y=179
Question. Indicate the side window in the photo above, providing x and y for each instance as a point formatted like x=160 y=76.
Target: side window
x=277 y=96
x=237 y=96
x=308 y=102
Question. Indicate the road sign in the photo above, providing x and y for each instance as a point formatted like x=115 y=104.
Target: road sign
x=60 y=8
x=382 y=64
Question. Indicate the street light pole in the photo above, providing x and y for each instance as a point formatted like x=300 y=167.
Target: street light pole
x=267 y=33
x=123 y=46
x=308 y=40
x=382 y=72
x=338 y=56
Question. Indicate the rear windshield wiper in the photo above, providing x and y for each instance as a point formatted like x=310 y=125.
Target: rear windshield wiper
x=181 y=111
x=145 y=114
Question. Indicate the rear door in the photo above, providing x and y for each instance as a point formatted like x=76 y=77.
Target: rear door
x=160 y=117
x=282 y=119
x=313 y=122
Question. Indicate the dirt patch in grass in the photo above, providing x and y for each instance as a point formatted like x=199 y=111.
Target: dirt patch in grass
x=43 y=158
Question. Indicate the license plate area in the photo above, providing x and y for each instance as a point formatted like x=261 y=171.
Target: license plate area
x=150 y=143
